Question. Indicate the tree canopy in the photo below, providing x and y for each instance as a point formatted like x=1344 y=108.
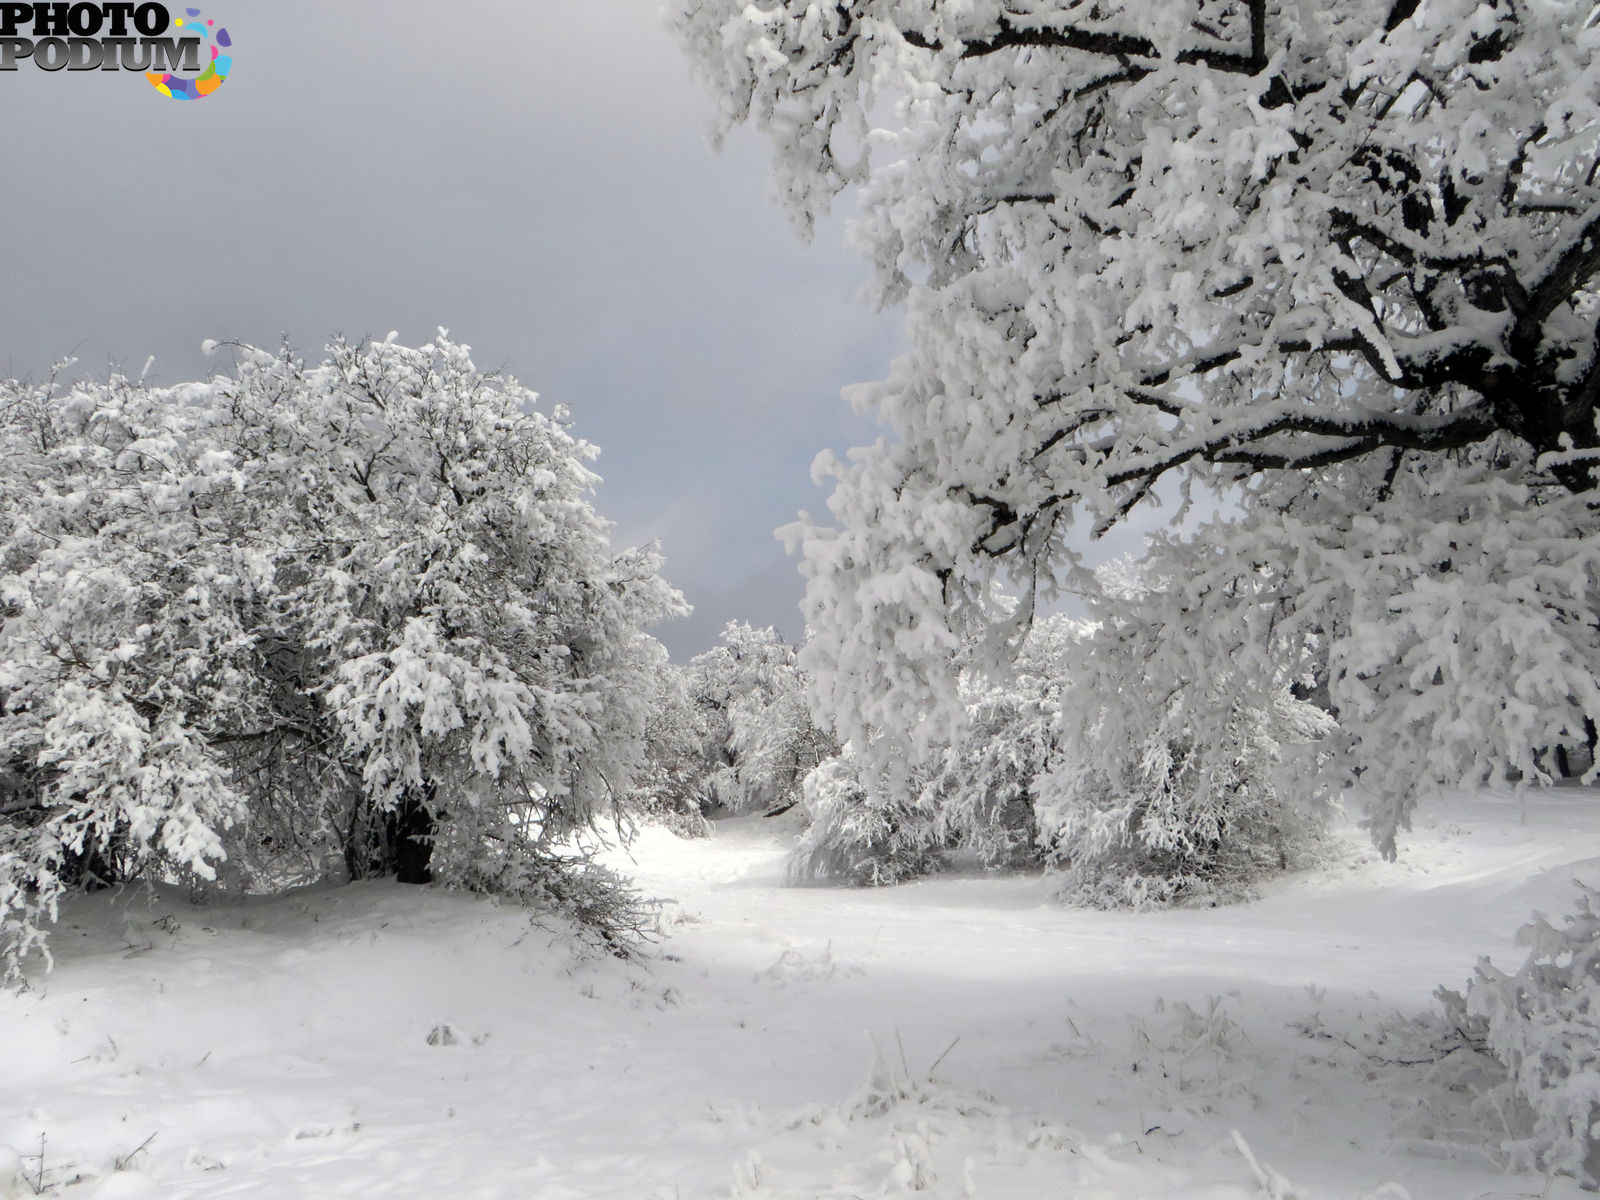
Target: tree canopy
x=1330 y=268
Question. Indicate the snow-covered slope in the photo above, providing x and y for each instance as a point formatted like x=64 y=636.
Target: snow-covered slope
x=959 y=1037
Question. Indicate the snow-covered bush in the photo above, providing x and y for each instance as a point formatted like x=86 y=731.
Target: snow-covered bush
x=1542 y=1024
x=350 y=610
x=671 y=785
x=125 y=650
x=1174 y=777
x=760 y=739
x=977 y=795
x=858 y=834
x=1177 y=810
x=1090 y=758
x=972 y=797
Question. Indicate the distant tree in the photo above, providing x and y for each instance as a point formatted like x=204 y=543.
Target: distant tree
x=360 y=609
x=672 y=785
x=760 y=737
x=1331 y=266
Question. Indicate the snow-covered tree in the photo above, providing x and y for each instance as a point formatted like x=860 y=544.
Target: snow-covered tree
x=1334 y=264
x=360 y=609
x=760 y=738
x=975 y=797
x=672 y=785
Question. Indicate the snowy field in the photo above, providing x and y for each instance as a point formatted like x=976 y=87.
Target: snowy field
x=958 y=1037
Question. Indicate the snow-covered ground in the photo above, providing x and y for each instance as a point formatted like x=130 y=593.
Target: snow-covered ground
x=958 y=1037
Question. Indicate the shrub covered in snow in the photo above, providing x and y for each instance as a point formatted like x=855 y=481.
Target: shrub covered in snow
x=361 y=611
x=759 y=738
x=1171 y=782
x=1088 y=759
x=1542 y=1024
x=973 y=796
x=978 y=793
x=670 y=786
x=1178 y=813
x=858 y=834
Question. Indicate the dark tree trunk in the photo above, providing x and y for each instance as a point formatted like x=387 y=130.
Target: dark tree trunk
x=93 y=868
x=398 y=841
x=1564 y=762
x=410 y=829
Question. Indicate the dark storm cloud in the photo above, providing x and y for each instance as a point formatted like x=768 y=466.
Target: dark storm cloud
x=533 y=176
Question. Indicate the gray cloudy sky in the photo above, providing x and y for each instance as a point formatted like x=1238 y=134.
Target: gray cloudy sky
x=533 y=175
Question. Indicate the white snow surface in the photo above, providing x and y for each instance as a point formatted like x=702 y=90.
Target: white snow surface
x=957 y=1037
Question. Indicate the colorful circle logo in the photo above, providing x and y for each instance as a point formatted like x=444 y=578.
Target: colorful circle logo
x=216 y=72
